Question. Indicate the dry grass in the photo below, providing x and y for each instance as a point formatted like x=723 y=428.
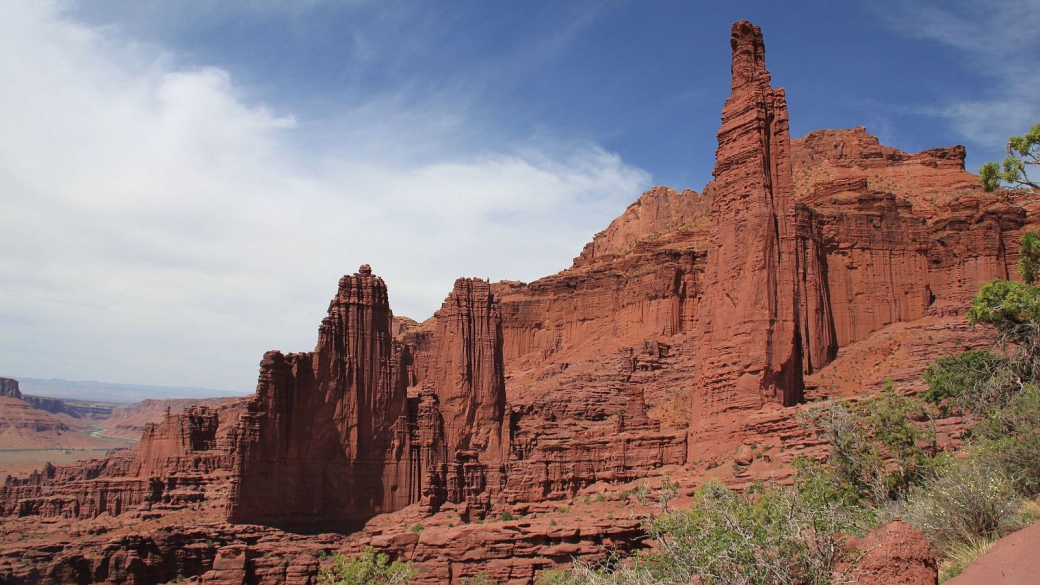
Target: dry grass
x=961 y=555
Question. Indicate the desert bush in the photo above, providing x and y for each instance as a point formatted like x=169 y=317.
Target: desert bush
x=560 y=577
x=969 y=499
x=879 y=448
x=1010 y=438
x=370 y=568
x=767 y=536
x=954 y=376
x=855 y=460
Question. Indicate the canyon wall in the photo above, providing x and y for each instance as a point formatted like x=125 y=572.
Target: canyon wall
x=179 y=461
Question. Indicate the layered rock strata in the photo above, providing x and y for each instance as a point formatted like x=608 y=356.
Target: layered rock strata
x=456 y=368
x=185 y=442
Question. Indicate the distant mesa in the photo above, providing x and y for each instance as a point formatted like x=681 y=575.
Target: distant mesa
x=9 y=388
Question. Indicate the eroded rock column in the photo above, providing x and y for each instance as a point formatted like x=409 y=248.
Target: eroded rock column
x=753 y=311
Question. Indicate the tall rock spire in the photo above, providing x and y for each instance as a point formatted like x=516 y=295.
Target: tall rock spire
x=752 y=311
x=332 y=437
x=324 y=443
x=466 y=383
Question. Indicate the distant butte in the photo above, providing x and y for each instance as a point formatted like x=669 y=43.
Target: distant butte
x=679 y=346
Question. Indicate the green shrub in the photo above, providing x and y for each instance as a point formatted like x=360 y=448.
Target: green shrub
x=370 y=568
x=1010 y=437
x=1013 y=309
x=417 y=528
x=880 y=447
x=954 y=376
x=1005 y=304
x=901 y=425
x=765 y=536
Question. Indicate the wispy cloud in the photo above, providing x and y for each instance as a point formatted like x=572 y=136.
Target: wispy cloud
x=998 y=39
x=160 y=228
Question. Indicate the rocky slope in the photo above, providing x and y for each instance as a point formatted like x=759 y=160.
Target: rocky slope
x=678 y=347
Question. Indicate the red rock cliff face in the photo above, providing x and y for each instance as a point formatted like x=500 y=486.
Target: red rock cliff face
x=462 y=400
x=765 y=286
x=182 y=442
x=322 y=444
x=468 y=374
x=333 y=438
x=905 y=235
x=635 y=280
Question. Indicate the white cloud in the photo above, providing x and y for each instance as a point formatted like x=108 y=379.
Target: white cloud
x=156 y=228
x=998 y=39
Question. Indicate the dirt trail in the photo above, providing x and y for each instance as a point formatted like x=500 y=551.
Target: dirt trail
x=1014 y=560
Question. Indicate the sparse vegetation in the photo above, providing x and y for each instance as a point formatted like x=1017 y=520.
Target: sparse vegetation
x=766 y=535
x=961 y=555
x=370 y=568
x=966 y=501
x=956 y=376
x=880 y=448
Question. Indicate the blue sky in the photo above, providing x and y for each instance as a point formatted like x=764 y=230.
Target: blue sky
x=185 y=182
